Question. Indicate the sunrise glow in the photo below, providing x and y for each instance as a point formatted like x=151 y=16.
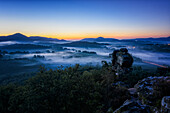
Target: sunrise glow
x=86 y=19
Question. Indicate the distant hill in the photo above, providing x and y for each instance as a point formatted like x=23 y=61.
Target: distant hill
x=99 y=39
x=24 y=46
x=151 y=39
x=21 y=37
x=84 y=44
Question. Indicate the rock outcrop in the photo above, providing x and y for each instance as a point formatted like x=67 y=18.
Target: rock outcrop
x=151 y=90
x=133 y=106
x=150 y=95
x=165 y=104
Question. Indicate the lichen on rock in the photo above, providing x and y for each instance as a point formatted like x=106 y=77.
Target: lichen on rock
x=165 y=104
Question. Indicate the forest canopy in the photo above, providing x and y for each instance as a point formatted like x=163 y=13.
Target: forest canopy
x=78 y=89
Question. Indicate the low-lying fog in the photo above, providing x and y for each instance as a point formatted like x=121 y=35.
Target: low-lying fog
x=67 y=56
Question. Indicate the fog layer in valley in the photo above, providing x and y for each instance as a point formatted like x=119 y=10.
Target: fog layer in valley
x=23 y=57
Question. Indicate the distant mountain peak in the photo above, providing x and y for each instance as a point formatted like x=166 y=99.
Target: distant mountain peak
x=100 y=38
x=21 y=37
x=18 y=35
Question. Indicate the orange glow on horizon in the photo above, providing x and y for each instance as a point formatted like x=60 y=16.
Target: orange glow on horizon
x=81 y=36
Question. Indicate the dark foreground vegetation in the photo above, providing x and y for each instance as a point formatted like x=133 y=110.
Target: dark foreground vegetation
x=74 y=90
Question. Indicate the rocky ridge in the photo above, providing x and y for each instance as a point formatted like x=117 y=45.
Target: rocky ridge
x=150 y=95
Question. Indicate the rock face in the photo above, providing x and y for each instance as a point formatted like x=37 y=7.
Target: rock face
x=153 y=96
x=133 y=106
x=153 y=88
x=165 y=104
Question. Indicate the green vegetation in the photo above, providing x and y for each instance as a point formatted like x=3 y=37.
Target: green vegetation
x=156 y=47
x=19 y=52
x=84 y=44
x=24 y=46
x=75 y=89
x=1 y=56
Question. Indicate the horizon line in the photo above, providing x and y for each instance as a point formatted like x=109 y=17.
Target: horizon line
x=71 y=38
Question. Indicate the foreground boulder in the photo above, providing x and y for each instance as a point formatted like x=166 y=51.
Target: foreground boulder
x=150 y=95
x=151 y=90
x=165 y=104
x=133 y=106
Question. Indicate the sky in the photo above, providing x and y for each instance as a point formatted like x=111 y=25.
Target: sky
x=77 y=19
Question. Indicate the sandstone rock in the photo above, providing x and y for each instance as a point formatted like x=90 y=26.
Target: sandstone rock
x=132 y=91
x=165 y=104
x=146 y=97
x=150 y=90
x=133 y=106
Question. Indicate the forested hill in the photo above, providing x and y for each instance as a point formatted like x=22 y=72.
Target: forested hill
x=21 y=37
x=86 y=89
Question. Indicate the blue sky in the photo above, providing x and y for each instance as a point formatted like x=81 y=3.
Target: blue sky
x=76 y=19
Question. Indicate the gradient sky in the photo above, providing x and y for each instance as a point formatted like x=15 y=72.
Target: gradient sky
x=76 y=19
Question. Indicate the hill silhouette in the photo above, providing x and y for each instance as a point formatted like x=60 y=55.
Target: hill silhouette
x=21 y=37
x=152 y=39
x=99 y=39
